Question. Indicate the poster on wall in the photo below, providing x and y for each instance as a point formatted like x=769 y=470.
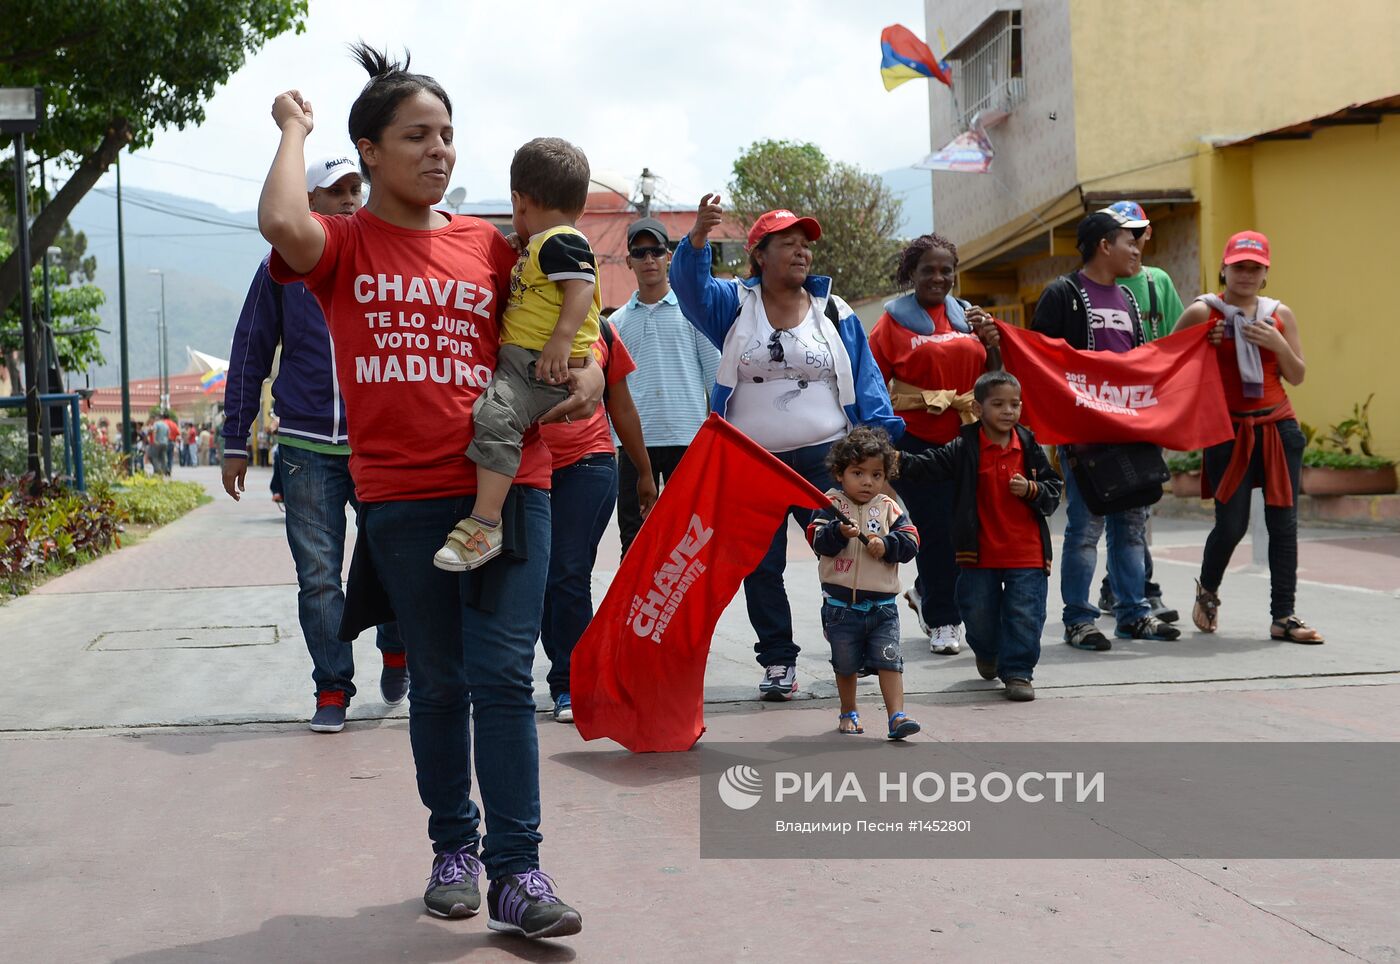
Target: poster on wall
x=968 y=153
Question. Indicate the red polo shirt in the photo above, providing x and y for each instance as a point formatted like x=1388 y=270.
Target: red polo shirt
x=1008 y=535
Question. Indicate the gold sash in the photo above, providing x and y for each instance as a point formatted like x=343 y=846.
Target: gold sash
x=905 y=397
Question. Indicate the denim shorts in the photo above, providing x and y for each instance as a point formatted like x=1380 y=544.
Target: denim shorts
x=862 y=640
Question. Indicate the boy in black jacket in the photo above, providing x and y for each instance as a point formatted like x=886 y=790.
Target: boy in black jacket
x=1006 y=490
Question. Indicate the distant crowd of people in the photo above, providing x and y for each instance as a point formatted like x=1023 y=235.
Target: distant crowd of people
x=162 y=442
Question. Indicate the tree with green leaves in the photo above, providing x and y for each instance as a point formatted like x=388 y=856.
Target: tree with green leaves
x=75 y=302
x=115 y=73
x=859 y=215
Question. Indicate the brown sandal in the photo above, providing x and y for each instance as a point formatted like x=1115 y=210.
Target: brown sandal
x=1295 y=630
x=1206 y=613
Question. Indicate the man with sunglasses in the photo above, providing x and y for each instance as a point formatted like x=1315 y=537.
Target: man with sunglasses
x=676 y=368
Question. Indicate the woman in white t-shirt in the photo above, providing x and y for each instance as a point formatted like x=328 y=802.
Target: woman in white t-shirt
x=795 y=374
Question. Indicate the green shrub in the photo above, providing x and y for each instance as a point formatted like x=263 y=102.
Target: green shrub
x=1185 y=462
x=14 y=443
x=1327 y=459
x=151 y=500
x=103 y=468
x=48 y=528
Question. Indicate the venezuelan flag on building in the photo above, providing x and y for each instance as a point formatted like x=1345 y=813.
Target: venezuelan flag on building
x=210 y=381
x=906 y=57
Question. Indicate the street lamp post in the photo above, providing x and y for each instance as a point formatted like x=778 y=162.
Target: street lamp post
x=128 y=430
x=20 y=111
x=647 y=187
x=48 y=356
x=163 y=340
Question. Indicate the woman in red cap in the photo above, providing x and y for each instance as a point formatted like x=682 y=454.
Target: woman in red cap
x=1258 y=350
x=795 y=375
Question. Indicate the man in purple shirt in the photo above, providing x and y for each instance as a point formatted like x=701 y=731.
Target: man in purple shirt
x=1092 y=312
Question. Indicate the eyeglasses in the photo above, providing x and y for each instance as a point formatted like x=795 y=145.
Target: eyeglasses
x=775 y=348
x=640 y=254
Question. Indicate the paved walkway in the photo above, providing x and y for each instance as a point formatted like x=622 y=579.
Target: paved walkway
x=162 y=801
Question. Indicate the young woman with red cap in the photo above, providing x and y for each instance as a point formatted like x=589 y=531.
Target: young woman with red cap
x=795 y=375
x=1259 y=348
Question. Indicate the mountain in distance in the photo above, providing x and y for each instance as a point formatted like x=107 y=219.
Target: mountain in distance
x=207 y=269
x=915 y=189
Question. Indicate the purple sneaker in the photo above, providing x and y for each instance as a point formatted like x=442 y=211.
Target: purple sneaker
x=452 y=887
x=525 y=904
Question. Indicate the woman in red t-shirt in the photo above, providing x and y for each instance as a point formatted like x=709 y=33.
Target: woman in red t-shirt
x=1258 y=348
x=584 y=492
x=412 y=297
x=928 y=348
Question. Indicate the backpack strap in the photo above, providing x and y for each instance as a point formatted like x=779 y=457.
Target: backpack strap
x=1154 y=314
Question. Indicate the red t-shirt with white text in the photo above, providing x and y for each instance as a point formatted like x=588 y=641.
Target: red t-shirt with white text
x=570 y=441
x=413 y=317
x=948 y=358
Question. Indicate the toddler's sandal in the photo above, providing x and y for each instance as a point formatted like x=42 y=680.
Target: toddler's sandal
x=901 y=726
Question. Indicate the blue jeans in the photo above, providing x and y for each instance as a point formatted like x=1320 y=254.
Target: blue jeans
x=930 y=506
x=1004 y=614
x=316 y=488
x=472 y=700
x=764 y=592
x=582 y=499
x=1127 y=551
x=862 y=639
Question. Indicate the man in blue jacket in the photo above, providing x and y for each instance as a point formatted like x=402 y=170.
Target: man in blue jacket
x=314 y=449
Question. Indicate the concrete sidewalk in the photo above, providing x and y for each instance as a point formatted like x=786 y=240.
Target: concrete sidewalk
x=137 y=823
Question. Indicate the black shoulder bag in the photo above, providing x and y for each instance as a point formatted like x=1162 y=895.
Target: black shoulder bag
x=1112 y=478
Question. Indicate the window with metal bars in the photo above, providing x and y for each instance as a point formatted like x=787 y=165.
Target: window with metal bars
x=987 y=69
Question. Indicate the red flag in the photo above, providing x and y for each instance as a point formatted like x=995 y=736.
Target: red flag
x=638 y=673
x=1167 y=392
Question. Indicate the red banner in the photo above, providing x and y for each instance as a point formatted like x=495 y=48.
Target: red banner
x=1167 y=392
x=638 y=673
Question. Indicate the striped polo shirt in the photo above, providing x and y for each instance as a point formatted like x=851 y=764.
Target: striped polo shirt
x=675 y=369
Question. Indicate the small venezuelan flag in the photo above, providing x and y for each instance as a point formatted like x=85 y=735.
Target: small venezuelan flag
x=209 y=381
x=906 y=57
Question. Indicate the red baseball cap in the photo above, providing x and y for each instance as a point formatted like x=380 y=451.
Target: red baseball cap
x=1246 y=246
x=781 y=220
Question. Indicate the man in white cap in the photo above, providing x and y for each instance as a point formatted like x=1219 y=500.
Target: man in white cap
x=314 y=452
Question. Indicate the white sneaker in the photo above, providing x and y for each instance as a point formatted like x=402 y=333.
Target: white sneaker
x=945 y=641
x=913 y=601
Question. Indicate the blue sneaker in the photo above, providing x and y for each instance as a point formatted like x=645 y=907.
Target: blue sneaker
x=563 y=709
x=525 y=904
x=330 y=711
x=452 y=888
x=393 y=684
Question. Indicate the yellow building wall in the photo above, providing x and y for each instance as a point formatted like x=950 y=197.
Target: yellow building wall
x=1153 y=78
x=1330 y=207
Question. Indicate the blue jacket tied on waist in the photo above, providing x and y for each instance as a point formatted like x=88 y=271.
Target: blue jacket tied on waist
x=714 y=306
x=306 y=395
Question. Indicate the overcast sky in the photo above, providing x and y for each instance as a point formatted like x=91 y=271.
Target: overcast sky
x=681 y=88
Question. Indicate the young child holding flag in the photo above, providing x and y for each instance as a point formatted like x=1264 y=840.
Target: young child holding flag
x=861 y=539
x=1006 y=490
